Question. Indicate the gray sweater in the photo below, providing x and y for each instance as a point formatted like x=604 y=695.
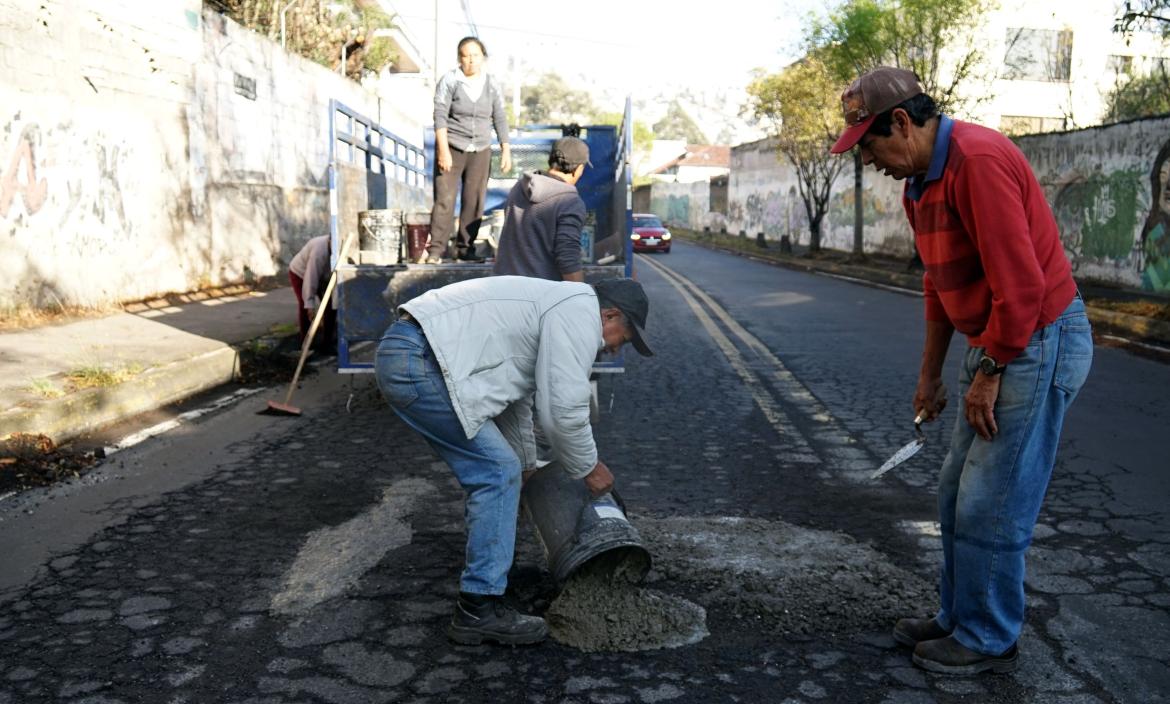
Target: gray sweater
x=542 y=229
x=469 y=122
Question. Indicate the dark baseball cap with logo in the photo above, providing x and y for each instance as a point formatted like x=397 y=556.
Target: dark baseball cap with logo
x=569 y=151
x=869 y=96
x=627 y=296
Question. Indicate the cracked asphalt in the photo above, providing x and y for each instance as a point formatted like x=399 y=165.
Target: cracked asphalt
x=251 y=559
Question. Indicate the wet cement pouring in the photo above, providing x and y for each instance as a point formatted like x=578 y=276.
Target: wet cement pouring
x=598 y=611
x=791 y=579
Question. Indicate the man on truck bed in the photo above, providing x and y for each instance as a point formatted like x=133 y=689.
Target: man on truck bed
x=543 y=218
x=461 y=366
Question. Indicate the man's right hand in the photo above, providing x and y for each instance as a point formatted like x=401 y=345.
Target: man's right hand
x=600 y=480
x=930 y=398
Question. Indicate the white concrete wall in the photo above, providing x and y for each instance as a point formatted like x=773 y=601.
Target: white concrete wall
x=681 y=204
x=130 y=163
x=1100 y=183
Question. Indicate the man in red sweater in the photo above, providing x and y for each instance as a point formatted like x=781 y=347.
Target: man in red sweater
x=997 y=273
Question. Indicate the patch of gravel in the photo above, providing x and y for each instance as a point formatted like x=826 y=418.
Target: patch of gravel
x=802 y=580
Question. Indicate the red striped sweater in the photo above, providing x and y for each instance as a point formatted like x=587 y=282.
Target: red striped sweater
x=995 y=266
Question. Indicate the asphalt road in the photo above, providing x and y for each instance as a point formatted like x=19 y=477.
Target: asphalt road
x=244 y=558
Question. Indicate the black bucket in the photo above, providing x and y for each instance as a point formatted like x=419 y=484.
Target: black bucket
x=574 y=528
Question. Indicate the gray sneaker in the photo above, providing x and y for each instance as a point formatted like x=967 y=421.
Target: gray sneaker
x=493 y=620
x=912 y=631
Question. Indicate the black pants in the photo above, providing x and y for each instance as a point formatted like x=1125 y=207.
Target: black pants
x=469 y=169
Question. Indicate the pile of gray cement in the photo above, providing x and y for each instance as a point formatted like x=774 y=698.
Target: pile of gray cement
x=598 y=612
x=801 y=580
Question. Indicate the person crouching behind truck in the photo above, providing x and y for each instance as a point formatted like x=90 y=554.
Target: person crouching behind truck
x=543 y=218
x=461 y=366
x=308 y=272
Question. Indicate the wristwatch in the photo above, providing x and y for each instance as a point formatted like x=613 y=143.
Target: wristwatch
x=989 y=366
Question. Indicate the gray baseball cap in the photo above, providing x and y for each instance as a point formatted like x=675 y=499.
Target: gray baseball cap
x=571 y=151
x=627 y=296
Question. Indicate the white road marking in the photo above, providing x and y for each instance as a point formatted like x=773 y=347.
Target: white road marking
x=874 y=284
x=1135 y=343
x=160 y=428
x=333 y=559
x=840 y=448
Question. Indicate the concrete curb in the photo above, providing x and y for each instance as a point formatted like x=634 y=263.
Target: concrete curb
x=1134 y=327
x=85 y=410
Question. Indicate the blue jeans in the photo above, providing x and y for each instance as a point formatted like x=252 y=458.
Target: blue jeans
x=486 y=466
x=990 y=492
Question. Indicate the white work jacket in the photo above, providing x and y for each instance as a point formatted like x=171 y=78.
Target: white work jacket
x=505 y=342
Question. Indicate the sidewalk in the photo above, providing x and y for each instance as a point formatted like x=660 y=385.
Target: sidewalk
x=1106 y=306
x=68 y=379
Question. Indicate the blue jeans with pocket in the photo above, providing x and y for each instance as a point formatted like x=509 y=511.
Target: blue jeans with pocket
x=486 y=466
x=990 y=492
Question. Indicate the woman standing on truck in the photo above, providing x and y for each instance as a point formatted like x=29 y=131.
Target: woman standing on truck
x=468 y=104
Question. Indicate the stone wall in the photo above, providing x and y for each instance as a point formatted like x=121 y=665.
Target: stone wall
x=1109 y=188
x=153 y=147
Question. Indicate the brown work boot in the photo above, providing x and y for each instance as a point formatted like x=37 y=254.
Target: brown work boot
x=483 y=617
x=912 y=631
x=950 y=657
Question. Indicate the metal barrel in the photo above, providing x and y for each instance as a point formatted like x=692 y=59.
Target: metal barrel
x=574 y=528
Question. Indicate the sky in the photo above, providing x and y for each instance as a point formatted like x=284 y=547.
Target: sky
x=623 y=44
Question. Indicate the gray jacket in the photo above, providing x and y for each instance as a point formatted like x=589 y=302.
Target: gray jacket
x=541 y=236
x=501 y=341
x=469 y=122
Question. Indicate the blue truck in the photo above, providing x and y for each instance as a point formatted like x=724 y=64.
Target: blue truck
x=372 y=169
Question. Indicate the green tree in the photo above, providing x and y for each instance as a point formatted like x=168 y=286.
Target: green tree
x=643 y=135
x=552 y=101
x=1140 y=96
x=677 y=124
x=800 y=105
x=933 y=38
x=1151 y=15
x=319 y=30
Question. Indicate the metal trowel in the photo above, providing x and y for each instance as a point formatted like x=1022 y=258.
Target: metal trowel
x=908 y=450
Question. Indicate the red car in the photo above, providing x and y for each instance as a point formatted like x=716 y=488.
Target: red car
x=649 y=234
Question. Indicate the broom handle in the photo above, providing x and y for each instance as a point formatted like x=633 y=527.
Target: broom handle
x=317 y=318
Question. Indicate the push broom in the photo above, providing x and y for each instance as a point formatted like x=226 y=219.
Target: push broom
x=285 y=408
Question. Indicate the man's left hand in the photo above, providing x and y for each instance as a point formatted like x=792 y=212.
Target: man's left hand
x=506 y=160
x=981 y=398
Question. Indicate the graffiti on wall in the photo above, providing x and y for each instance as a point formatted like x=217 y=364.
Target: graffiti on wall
x=872 y=209
x=1098 y=215
x=1156 y=231
x=774 y=213
x=20 y=176
x=678 y=210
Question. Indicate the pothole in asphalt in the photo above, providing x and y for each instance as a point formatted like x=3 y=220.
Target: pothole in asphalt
x=802 y=580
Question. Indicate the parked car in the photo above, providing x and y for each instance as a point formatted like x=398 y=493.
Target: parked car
x=649 y=234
